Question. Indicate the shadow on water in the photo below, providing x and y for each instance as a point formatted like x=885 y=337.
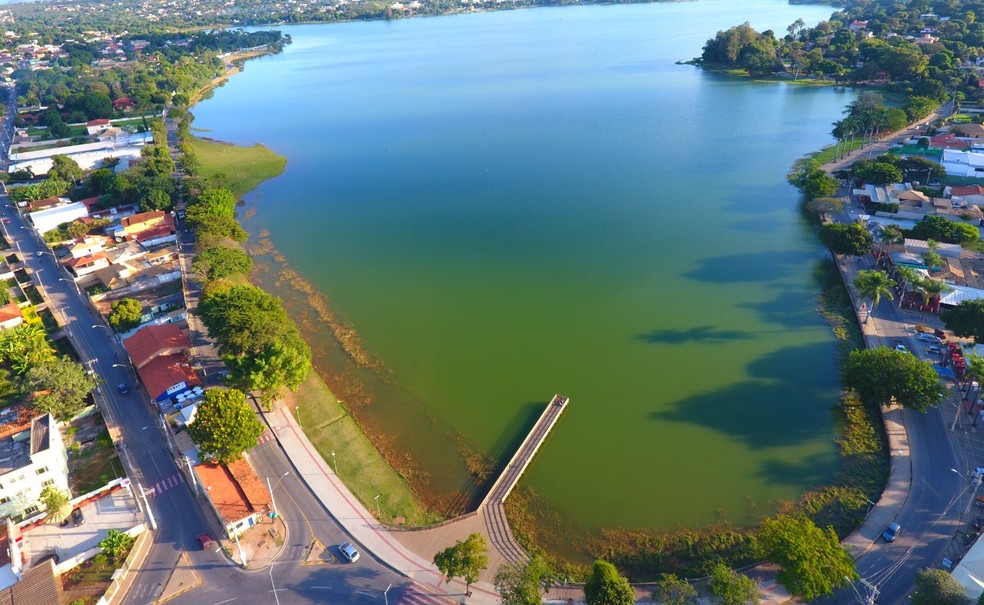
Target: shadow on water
x=476 y=488
x=710 y=334
x=749 y=267
x=810 y=470
x=771 y=410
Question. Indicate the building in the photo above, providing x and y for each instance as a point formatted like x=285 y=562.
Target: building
x=90 y=263
x=132 y=226
x=972 y=194
x=159 y=354
x=48 y=219
x=37 y=586
x=96 y=126
x=235 y=492
x=32 y=457
x=10 y=316
x=153 y=341
x=963 y=163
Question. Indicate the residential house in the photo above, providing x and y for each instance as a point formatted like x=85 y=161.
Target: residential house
x=32 y=457
x=89 y=245
x=926 y=39
x=131 y=226
x=123 y=104
x=84 y=265
x=856 y=26
x=969 y=131
x=37 y=586
x=10 y=316
x=963 y=163
x=96 y=126
x=920 y=247
x=972 y=194
x=948 y=141
x=110 y=135
x=157 y=236
x=159 y=353
x=236 y=493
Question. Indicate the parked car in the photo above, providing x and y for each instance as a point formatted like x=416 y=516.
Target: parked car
x=348 y=551
x=205 y=540
x=124 y=389
x=928 y=337
x=77 y=517
x=901 y=348
x=891 y=532
x=934 y=349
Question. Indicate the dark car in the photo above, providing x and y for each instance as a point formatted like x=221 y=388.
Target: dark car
x=891 y=532
x=77 y=517
x=205 y=540
x=124 y=389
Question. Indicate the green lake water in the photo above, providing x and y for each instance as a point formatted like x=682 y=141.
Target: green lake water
x=510 y=205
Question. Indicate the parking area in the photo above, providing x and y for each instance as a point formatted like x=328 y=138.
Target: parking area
x=116 y=510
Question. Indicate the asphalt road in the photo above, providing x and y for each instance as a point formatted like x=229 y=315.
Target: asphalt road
x=179 y=518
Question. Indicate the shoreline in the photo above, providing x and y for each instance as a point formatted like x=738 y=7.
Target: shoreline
x=301 y=292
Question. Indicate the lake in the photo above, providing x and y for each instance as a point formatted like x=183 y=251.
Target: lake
x=510 y=205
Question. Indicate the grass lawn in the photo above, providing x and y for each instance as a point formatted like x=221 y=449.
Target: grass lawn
x=95 y=465
x=829 y=154
x=330 y=428
x=243 y=167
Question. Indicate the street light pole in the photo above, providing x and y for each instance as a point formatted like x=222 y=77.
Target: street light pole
x=379 y=515
x=334 y=463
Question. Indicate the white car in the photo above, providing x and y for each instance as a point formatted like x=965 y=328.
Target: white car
x=901 y=349
x=348 y=551
x=928 y=338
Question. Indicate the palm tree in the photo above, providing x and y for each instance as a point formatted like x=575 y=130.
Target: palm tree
x=931 y=288
x=909 y=276
x=873 y=285
x=889 y=235
x=932 y=257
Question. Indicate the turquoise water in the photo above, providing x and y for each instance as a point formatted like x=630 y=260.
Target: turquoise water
x=508 y=205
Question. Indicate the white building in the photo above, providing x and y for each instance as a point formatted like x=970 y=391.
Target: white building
x=49 y=218
x=32 y=457
x=963 y=163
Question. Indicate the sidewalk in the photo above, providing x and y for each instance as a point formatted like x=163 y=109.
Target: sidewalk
x=358 y=521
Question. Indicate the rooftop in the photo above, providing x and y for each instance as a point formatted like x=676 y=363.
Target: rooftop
x=165 y=371
x=38 y=586
x=9 y=311
x=235 y=489
x=151 y=341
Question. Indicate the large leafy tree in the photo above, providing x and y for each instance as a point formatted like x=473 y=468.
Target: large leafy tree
x=966 y=319
x=812 y=562
x=944 y=230
x=24 y=347
x=852 y=239
x=39 y=191
x=673 y=590
x=605 y=586
x=873 y=285
x=53 y=499
x=225 y=426
x=523 y=583
x=220 y=262
x=878 y=173
x=465 y=560
x=64 y=168
x=882 y=374
x=125 y=314
x=60 y=387
x=937 y=587
x=280 y=364
x=729 y=587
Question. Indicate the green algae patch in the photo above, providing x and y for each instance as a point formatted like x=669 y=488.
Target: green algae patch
x=241 y=169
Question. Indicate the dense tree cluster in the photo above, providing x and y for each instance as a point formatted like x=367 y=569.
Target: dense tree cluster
x=811 y=560
x=811 y=179
x=940 y=229
x=885 y=375
x=852 y=239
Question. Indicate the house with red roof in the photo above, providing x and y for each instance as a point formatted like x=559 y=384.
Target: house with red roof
x=972 y=194
x=152 y=341
x=236 y=493
x=133 y=226
x=96 y=126
x=123 y=104
x=948 y=141
x=159 y=353
x=88 y=263
x=10 y=316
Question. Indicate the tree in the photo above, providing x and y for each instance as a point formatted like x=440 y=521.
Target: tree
x=25 y=347
x=878 y=173
x=117 y=543
x=937 y=587
x=281 y=364
x=221 y=262
x=881 y=375
x=966 y=319
x=605 y=586
x=64 y=168
x=852 y=239
x=942 y=230
x=53 y=499
x=465 y=560
x=126 y=314
x=873 y=284
x=812 y=562
x=60 y=387
x=825 y=205
x=523 y=584
x=672 y=590
x=731 y=588
x=225 y=426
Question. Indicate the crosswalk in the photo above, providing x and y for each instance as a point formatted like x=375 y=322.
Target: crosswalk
x=266 y=437
x=165 y=484
x=418 y=595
